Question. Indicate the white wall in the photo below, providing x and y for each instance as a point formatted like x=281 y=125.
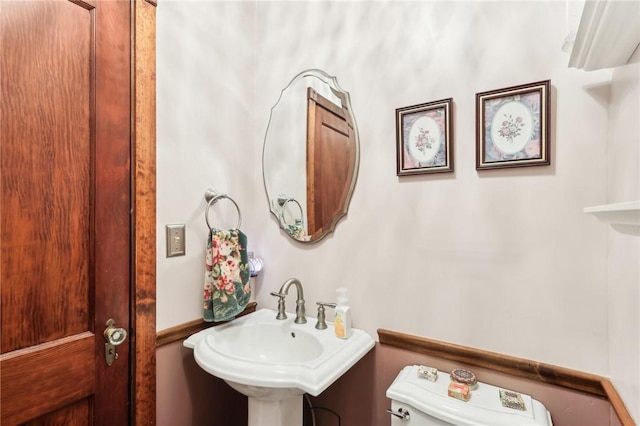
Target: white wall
x=205 y=139
x=500 y=260
x=623 y=270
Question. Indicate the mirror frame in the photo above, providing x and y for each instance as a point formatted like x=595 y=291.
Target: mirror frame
x=273 y=199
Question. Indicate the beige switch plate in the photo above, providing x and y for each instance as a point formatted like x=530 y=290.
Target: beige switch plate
x=175 y=240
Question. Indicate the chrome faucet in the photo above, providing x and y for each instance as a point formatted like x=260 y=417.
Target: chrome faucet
x=284 y=290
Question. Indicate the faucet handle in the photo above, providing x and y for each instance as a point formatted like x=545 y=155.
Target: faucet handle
x=282 y=315
x=321 y=324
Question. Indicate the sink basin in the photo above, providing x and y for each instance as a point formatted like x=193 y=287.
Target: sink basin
x=271 y=359
x=269 y=343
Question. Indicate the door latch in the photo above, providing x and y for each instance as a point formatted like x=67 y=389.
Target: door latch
x=114 y=337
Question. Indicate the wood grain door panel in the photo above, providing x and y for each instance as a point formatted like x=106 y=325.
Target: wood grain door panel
x=42 y=379
x=66 y=201
x=331 y=152
x=46 y=153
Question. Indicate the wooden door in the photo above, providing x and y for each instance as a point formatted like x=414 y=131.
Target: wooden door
x=331 y=150
x=66 y=200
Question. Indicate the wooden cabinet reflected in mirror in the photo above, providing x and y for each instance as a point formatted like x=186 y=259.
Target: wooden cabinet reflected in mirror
x=310 y=157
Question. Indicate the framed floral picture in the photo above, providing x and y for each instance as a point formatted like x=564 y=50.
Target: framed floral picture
x=512 y=126
x=424 y=139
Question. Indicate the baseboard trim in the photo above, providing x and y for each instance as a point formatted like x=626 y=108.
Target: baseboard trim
x=513 y=366
x=182 y=331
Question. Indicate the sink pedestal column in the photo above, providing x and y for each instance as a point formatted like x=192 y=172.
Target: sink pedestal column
x=281 y=412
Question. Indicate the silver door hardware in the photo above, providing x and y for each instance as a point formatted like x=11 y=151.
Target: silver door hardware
x=114 y=337
x=401 y=413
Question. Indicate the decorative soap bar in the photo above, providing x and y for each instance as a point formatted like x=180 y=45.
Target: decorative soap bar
x=459 y=391
x=428 y=373
x=465 y=377
x=512 y=399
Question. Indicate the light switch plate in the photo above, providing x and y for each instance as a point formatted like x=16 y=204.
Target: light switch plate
x=175 y=240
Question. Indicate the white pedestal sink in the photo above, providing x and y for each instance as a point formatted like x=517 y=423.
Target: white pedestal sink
x=275 y=362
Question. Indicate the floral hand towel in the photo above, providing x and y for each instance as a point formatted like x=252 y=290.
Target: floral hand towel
x=226 y=277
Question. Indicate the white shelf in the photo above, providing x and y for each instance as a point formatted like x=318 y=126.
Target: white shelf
x=627 y=213
x=607 y=35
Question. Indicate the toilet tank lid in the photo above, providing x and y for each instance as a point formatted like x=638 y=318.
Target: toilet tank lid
x=483 y=408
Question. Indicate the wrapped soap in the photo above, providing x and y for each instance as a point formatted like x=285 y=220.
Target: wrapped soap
x=459 y=391
x=428 y=373
x=512 y=400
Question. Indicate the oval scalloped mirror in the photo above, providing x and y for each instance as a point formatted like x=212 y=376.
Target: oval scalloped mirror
x=310 y=156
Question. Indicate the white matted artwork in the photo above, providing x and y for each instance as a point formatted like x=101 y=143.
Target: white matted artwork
x=512 y=126
x=424 y=140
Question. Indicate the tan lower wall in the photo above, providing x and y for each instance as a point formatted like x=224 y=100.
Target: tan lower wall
x=360 y=402
x=186 y=395
x=352 y=396
x=567 y=407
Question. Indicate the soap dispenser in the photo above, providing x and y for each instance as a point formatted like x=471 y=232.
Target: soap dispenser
x=342 y=319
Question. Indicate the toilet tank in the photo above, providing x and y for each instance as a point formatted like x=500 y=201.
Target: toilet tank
x=419 y=402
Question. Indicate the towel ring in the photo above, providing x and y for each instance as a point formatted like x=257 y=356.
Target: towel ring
x=283 y=203
x=213 y=200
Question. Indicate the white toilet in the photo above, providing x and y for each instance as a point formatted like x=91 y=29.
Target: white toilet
x=416 y=401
